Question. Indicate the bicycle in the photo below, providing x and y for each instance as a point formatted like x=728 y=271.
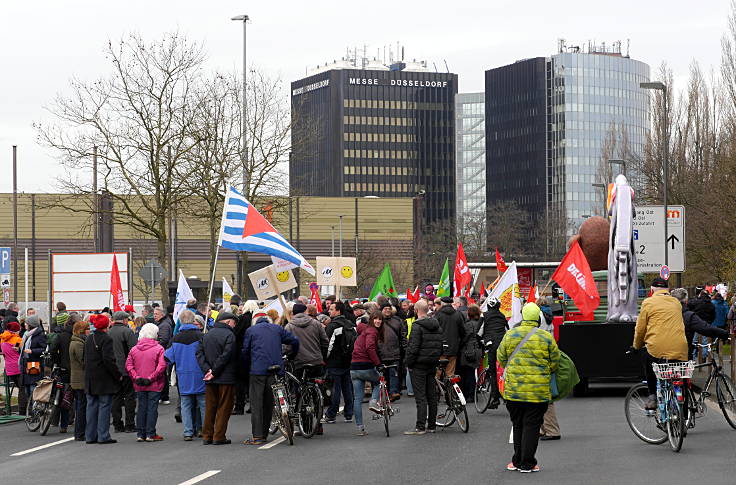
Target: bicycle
x=483 y=385
x=310 y=405
x=282 y=407
x=725 y=392
x=384 y=399
x=455 y=409
x=41 y=413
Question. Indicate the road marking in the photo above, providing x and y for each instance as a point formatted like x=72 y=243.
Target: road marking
x=273 y=443
x=42 y=447
x=201 y=477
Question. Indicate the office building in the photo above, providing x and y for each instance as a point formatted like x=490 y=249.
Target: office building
x=470 y=157
x=365 y=128
x=549 y=126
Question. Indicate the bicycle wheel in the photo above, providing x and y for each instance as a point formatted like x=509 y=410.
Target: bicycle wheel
x=483 y=392
x=47 y=417
x=446 y=411
x=726 y=398
x=386 y=410
x=282 y=419
x=675 y=420
x=461 y=414
x=33 y=417
x=644 y=423
x=308 y=411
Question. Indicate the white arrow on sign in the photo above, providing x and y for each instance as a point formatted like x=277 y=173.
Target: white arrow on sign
x=649 y=239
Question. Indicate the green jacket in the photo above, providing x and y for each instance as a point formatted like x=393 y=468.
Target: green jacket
x=528 y=375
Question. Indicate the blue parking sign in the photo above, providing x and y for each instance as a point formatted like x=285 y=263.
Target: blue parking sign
x=4 y=260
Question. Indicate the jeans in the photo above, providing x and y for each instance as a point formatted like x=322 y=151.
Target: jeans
x=191 y=417
x=425 y=396
x=527 y=418
x=359 y=378
x=80 y=410
x=344 y=386
x=98 y=418
x=261 y=404
x=145 y=420
x=392 y=377
x=409 y=387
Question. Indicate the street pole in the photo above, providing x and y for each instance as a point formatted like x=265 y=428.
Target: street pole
x=15 y=223
x=665 y=172
x=340 y=236
x=95 y=200
x=246 y=173
x=332 y=228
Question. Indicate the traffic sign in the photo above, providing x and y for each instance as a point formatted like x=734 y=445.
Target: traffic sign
x=5 y=280
x=6 y=296
x=664 y=273
x=649 y=240
x=152 y=273
x=4 y=260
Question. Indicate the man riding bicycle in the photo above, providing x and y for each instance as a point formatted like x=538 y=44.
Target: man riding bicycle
x=661 y=329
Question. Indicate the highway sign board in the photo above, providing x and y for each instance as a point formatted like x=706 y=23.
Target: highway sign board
x=649 y=240
x=4 y=260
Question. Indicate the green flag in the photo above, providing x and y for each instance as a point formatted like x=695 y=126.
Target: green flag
x=384 y=285
x=444 y=286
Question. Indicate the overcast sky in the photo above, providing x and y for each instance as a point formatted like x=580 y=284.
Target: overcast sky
x=43 y=43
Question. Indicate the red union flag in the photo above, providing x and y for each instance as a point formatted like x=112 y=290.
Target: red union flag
x=462 y=277
x=500 y=263
x=116 y=289
x=575 y=277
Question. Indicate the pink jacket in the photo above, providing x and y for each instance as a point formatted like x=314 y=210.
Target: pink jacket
x=8 y=343
x=146 y=360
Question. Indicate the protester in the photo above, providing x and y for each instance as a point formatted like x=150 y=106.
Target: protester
x=60 y=318
x=429 y=293
x=59 y=351
x=10 y=346
x=80 y=331
x=363 y=367
x=342 y=335
x=694 y=324
x=261 y=350
x=33 y=345
x=123 y=340
x=11 y=314
x=391 y=348
x=165 y=332
x=138 y=323
x=529 y=356
x=189 y=376
x=721 y=310
x=494 y=329
x=146 y=368
x=422 y=355
x=101 y=381
x=147 y=314
x=460 y=303
x=470 y=353
x=217 y=358
x=452 y=323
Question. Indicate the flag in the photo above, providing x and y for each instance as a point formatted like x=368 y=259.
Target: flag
x=462 y=276
x=183 y=295
x=500 y=263
x=116 y=289
x=575 y=278
x=245 y=229
x=384 y=285
x=412 y=296
x=314 y=298
x=227 y=292
x=443 y=288
x=507 y=292
x=482 y=291
x=532 y=298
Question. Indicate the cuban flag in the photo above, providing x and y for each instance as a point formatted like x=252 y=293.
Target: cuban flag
x=245 y=229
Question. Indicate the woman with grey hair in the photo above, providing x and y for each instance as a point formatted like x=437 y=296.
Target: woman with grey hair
x=694 y=324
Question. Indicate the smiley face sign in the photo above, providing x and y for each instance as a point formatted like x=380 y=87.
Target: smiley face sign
x=283 y=276
x=336 y=271
x=347 y=272
x=267 y=282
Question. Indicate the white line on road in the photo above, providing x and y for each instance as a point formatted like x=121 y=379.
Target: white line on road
x=273 y=443
x=201 y=477
x=47 y=445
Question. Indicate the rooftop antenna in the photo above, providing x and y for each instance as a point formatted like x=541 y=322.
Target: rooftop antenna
x=402 y=53
x=435 y=66
x=627 y=47
x=446 y=66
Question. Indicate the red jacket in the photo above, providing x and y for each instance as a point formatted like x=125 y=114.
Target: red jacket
x=365 y=350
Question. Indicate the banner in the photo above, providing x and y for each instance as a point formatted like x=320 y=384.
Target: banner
x=443 y=289
x=267 y=283
x=227 y=292
x=116 y=289
x=336 y=271
x=461 y=277
x=183 y=295
x=575 y=278
x=507 y=292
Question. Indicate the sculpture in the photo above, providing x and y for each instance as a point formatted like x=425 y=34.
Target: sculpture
x=622 y=276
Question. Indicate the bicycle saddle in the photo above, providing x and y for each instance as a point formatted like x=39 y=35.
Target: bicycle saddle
x=274 y=369
x=443 y=362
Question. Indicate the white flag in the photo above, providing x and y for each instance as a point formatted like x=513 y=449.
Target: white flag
x=183 y=294
x=227 y=292
x=507 y=292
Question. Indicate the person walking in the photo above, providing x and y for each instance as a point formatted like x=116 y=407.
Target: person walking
x=80 y=331
x=363 y=367
x=261 y=350
x=494 y=328
x=146 y=368
x=123 y=340
x=422 y=355
x=390 y=349
x=189 y=376
x=530 y=356
x=341 y=334
x=453 y=328
x=32 y=345
x=101 y=381
x=217 y=358
x=470 y=352
x=10 y=347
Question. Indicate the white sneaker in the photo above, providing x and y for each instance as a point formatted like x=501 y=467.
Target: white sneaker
x=375 y=407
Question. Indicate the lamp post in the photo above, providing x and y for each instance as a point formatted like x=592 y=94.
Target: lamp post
x=604 y=187
x=246 y=173
x=660 y=86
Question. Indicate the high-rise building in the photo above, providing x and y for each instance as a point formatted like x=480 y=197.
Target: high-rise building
x=470 y=158
x=553 y=123
x=363 y=128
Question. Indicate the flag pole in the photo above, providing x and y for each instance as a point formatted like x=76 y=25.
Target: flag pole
x=212 y=287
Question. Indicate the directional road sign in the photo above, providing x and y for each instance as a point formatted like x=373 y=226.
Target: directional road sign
x=152 y=273
x=649 y=240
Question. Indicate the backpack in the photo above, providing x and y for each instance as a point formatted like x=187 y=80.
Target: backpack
x=564 y=379
x=349 y=336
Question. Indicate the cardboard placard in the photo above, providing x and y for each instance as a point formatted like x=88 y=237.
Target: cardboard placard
x=336 y=271
x=267 y=282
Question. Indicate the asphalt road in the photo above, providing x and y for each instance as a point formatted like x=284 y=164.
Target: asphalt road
x=597 y=447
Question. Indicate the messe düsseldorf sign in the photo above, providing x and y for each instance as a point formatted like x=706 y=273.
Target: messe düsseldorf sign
x=411 y=83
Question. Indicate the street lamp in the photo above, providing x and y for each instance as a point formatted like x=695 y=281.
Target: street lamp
x=246 y=173
x=604 y=187
x=660 y=86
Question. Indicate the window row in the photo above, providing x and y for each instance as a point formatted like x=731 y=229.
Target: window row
x=378 y=120
x=391 y=154
x=391 y=104
x=378 y=170
x=372 y=187
x=381 y=137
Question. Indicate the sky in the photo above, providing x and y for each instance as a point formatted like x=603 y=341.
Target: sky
x=45 y=43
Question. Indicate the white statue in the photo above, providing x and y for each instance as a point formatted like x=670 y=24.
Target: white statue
x=622 y=276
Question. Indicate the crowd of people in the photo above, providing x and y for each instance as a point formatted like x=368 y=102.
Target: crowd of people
x=119 y=365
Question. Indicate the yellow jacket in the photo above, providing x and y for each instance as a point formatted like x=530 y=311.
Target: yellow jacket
x=660 y=327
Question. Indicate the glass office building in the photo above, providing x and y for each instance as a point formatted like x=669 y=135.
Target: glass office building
x=470 y=156
x=550 y=128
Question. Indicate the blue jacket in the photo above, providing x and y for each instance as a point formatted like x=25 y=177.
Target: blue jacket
x=262 y=347
x=721 y=312
x=183 y=353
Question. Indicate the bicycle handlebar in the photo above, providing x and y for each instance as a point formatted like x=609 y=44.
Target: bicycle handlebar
x=383 y=367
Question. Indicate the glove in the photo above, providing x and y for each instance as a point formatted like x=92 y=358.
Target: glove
x=143 y=382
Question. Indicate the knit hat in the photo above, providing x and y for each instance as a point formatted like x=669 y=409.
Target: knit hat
x=99 y=321
x=120 y=317
x=299 y=308
x=129 y=309
x=446 y=299
x=149 y=330
x=13 y=326
x=530 y=312
x=386 y=305
x=33 y=321
x=261 y=316
x=660 y=283
x=222 y=316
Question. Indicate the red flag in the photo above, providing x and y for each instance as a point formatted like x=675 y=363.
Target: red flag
x=462 y=276
x=575 y=277
x=116 y=289
x=500 y=263
x=412 y=296
x=314 y=298
x=532 y=294
x=482 y=291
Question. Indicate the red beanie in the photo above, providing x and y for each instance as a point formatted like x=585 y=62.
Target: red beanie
x=13 y=326
x=99 y=321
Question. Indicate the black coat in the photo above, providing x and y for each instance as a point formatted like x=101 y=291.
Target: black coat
x=37 y=347
x=704 y=308
x=494 y=326
x=470 y=352
x=338 y=357
x=425 y=344
x=452 y=323
x=218 y=353
x=244 y=323
x=60 y=352
x=165 y=331
x=694 y=324
x=101 y=374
